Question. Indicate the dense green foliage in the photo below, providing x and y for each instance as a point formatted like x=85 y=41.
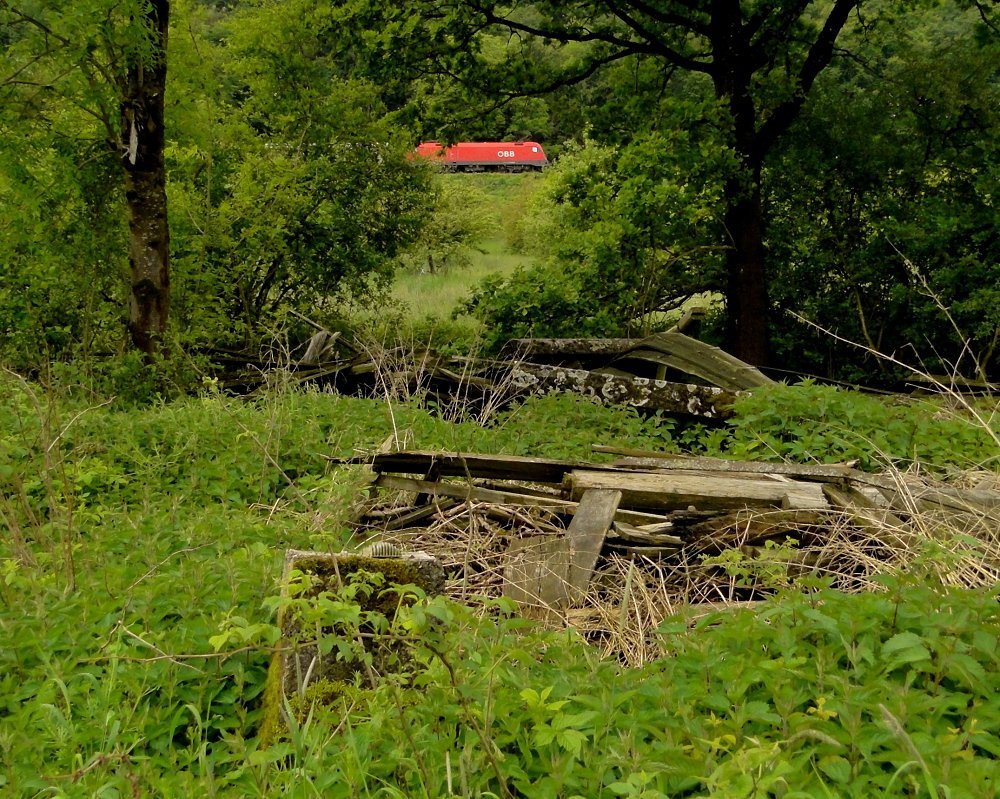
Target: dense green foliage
x=886 y=198
x=138 y=542
x=850 y=696
x=811 y=423
x=623 y=233
x=63 y=251
x=879 y=204
x=289 y=185
x=288 y=127
x=294 y=190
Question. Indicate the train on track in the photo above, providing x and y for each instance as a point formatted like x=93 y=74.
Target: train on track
x=485 y=156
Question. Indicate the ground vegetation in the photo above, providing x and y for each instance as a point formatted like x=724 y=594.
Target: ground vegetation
x=139 y=574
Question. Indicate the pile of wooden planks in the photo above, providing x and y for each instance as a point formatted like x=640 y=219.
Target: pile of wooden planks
x=552 y=534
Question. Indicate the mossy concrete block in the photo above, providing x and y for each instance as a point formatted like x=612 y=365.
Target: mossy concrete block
x=301 y=671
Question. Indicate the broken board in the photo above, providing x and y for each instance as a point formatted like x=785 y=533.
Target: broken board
x=671 y=491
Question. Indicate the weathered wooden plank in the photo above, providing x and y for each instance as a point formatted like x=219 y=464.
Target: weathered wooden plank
x=880 y=523
x=473 y=492
x=695 y=357
x=466 y=491
x=586 y=534
x=653 y=461
x=321 y=349
x=652 y=552
x=417 y=515
x=640 y=535
x=458 y=464
x=757 y=525
x=537 y=572
x=958 y=499
x=640 y=392
x=668 y=491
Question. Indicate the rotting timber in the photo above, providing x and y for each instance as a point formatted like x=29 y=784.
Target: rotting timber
x=614 y=548
x=668 y=372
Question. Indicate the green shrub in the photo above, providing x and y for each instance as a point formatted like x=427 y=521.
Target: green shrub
x=810 y=695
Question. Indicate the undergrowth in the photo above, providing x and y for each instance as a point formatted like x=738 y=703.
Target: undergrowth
x=810 y=423
x=130 y=537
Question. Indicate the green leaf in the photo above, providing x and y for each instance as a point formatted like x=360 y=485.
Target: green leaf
x=903 y=648
x=836 y=768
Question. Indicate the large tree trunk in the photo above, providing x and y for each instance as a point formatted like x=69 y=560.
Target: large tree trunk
x=747 y=304
x=145 y=188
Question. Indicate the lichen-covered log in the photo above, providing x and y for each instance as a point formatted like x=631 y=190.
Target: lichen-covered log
x=640 y=392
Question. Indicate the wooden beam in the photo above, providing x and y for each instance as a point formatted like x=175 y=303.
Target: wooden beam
x=822 y=472
x=670 y=491
x=467 y=491
x=881 y=524
x=694 y=357
x=459 y=464
x=537 y=572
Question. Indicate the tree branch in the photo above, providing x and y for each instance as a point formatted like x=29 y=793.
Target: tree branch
x=820 y=55
x=571 y=80
x=663 y=17
x=775 y=32
x=35 y=22
x=565 y=35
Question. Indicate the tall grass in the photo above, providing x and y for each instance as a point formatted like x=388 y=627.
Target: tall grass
x=437 y=295
x=502 y=200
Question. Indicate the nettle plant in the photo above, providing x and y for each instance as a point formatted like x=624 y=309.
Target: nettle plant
x=807 y=422
x=816 y=693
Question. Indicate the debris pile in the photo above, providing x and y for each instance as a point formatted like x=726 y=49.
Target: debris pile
x=612 y=549
x=668 y=372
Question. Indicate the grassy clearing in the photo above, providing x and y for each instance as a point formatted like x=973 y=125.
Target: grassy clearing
x=438 y=295
x=499 y=202
x=138 y=548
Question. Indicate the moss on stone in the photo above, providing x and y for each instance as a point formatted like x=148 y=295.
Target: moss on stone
x=331 y=680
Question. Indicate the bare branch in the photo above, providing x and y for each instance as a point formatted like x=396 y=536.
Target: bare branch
x=820 y=55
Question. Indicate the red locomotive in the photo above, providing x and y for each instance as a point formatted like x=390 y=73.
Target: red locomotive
x=485 y=156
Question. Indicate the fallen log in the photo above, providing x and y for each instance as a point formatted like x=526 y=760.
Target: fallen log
x=641 y=392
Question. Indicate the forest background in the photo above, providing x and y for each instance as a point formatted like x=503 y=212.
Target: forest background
x=821 y=166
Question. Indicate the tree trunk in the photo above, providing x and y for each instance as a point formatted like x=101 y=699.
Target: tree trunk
x=747 y=305
x=746 y=284
x=145 y=188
